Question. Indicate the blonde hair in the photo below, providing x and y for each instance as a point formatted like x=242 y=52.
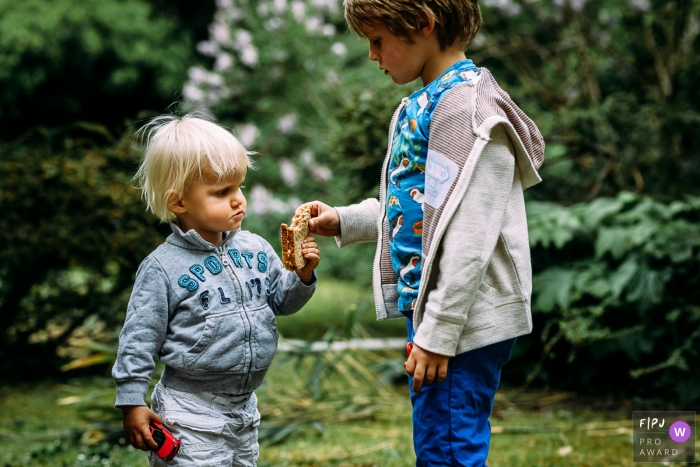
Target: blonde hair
x=454 y=19
x=180 y=150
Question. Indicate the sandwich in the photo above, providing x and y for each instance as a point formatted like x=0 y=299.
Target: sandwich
x=293 y=238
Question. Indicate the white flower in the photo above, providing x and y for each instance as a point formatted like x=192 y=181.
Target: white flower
x=321 y=173
x=262 y=201
x=214 y=95
x=289 y=172
x=298 y=10
x=328 y=30
x=246 y=133
x=339 y=49
x=214 y=79
x=279 y=5
x=219 y=32
x=228 y=15
x=243 y=38
x=307 y=157
x=192 y=93
x=243 y=43
x=197 y=74
x=286 y=123
x=313 y=23
x=223 y=61
x=577 y=5
x=507 y=6
x=293 y=204
x=273 y=24
x=207 y=48
x=249 y=55
x=641 y=5
x=328 y=5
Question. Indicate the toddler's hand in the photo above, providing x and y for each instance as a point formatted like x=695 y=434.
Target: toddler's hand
x=136 y=420
x=313 y=256
x=324 y=219
x=425 y=365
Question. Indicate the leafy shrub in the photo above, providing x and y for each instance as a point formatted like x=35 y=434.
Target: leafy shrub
x=91 y=60
x=615 y=297
x=73 y=233
x=610 y=86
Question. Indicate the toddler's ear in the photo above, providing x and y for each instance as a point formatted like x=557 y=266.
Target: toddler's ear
x=175 y=204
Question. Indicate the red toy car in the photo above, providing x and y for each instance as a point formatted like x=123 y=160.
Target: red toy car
x=168 y=445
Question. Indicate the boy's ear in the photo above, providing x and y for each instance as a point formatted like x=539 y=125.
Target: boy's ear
x=426 y=23
x=175 y=204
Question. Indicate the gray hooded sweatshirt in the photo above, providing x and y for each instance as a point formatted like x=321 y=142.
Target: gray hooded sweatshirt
x=208 y=313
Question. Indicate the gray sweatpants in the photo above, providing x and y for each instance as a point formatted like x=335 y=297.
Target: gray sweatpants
x=213 y=429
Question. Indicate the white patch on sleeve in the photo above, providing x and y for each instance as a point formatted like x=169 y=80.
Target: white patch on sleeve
x=440 y=173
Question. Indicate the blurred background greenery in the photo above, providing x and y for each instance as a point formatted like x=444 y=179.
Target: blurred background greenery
x=614 y=227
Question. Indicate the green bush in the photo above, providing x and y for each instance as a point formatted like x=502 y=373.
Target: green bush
x=615 y=297
x=73 y=233
x=611 y=86
x=91 y=60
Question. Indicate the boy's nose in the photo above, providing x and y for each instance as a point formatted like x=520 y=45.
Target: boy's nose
x=373 y=55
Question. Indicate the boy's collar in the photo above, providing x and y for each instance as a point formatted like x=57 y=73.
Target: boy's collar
x=191 y=238
x=462 y=65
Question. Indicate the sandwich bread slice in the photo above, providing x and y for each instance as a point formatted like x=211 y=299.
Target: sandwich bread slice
x=293 y=237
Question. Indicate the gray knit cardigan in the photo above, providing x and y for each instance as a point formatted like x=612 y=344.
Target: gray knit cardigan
x=477 y=276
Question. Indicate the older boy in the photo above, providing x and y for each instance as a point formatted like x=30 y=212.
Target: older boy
x=452 y=247
x=204 y=301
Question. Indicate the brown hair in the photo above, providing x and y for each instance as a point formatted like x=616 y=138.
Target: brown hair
x=454 y=19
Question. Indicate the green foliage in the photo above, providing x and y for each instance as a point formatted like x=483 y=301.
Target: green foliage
x=92 y=60
x=609 y=85
x=616 y=280
x=73 y=232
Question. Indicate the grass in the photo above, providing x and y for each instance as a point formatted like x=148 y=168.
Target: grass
x=529 y=429
x=319 y=409
x=333 y=304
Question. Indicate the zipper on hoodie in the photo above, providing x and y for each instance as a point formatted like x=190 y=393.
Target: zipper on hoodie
x=248 y=329
x=232 y=274
x=390 y=139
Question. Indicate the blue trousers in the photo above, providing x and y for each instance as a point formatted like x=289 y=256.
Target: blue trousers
x=451 y=419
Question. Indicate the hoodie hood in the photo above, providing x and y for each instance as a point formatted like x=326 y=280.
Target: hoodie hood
x=491 y=106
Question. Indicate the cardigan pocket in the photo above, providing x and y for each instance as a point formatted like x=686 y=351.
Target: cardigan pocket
x=481 y=314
